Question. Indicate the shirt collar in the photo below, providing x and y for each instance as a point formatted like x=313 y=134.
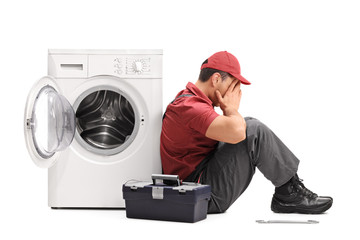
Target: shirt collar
x=196 y=91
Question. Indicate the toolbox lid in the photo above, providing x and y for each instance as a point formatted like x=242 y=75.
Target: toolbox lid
x=188 y=186
x=134 y=184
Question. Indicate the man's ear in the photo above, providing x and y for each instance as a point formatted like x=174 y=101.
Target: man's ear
x=215 y=79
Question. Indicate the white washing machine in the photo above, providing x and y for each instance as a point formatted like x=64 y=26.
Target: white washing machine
x=95 y=123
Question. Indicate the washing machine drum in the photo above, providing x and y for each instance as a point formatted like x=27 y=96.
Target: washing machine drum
x=105 y=120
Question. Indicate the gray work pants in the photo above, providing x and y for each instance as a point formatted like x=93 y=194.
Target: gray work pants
x=230 y=168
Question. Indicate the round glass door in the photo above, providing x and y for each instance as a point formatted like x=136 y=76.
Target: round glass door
x=50 y=123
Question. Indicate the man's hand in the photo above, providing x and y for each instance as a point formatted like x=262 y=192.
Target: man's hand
x=230 y=127
x=230 y=103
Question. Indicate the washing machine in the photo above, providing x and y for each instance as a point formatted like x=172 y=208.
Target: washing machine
x=95 y=123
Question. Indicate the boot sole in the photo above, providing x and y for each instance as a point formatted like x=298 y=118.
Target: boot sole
x=278 y=207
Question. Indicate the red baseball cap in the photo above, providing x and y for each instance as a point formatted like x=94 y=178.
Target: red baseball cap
x=225 y=62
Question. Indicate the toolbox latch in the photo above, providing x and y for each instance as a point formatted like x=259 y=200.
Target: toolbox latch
x=182 y=190
x=158 y=192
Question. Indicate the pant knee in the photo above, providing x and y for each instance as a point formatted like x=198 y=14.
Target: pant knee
x=253 y=124
x=252 y=121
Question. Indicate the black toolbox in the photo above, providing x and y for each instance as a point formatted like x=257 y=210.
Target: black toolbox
x=166 y=199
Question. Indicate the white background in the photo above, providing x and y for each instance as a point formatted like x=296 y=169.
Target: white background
x=302 y=58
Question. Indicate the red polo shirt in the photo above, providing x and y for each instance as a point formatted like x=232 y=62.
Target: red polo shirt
x=183 y=142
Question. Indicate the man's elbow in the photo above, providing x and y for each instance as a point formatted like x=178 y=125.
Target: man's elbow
x=238 y=135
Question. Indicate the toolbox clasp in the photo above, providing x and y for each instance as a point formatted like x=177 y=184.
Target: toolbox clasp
x=158 y=193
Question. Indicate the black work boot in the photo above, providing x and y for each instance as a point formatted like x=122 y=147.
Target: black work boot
x=294 y=197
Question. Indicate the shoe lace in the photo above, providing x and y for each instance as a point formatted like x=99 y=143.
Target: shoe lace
x=300 y=187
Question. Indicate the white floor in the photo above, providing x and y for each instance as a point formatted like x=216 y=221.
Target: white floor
x=31 y=218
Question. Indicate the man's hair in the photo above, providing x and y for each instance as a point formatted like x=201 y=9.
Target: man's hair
x=206 y=73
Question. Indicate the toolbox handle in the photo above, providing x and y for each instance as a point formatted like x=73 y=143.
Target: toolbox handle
x=165 y=179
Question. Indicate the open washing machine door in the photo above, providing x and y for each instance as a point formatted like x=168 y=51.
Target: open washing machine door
x=49 y=123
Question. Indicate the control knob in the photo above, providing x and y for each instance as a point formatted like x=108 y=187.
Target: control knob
x=138 y=66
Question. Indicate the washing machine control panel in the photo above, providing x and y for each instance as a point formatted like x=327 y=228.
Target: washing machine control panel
x=127 y=66
x=132 y=66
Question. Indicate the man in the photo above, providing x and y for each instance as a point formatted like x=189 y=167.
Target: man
x=202 y=146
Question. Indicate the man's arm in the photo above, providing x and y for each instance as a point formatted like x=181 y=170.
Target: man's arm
x=230 y=127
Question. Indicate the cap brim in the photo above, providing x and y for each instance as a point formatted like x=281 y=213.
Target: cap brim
x=242 y=79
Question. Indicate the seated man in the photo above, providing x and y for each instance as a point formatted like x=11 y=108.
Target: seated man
x=202 y=146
